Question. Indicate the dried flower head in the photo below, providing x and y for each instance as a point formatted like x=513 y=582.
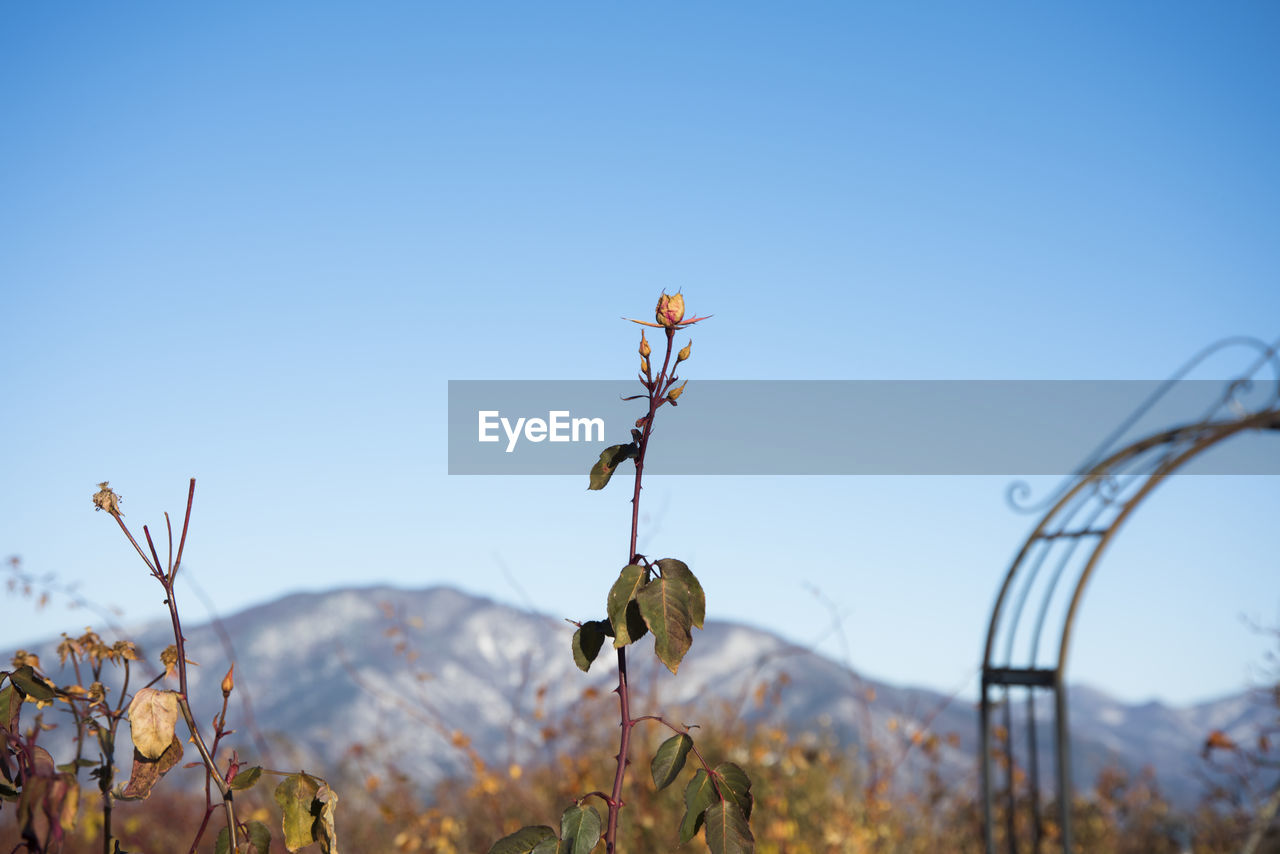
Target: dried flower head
x=106 y=499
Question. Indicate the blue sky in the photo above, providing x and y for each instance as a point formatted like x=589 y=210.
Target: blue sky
x=253 y=245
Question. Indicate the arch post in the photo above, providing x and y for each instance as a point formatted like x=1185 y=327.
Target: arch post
x=1043 y=589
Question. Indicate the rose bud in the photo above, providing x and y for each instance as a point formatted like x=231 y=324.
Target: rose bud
x=670 y=310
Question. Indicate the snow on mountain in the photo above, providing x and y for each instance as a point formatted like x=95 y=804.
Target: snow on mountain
x=405 y=669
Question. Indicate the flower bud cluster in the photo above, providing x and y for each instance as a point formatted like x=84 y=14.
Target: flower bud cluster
x=669 y=314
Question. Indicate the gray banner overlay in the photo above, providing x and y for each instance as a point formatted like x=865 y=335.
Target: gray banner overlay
x=801 y=427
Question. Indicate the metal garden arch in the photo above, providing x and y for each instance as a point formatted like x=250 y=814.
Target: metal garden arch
x=1041 y=594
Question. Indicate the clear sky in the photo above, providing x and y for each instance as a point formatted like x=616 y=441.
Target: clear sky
x=253 y=243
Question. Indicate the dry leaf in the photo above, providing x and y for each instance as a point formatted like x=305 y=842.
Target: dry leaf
x=153 y=715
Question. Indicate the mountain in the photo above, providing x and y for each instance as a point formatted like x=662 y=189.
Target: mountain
x=402 y=671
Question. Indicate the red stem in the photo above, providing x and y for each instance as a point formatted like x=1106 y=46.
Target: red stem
x=151 y=545
x=184 y=704
x=169 y=527
x=657 y=396
x=186 y=523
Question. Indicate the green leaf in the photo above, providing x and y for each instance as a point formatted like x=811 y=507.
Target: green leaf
x=10 y=707
x=308 y=804
x=580 y=829
x=664 y=604
x=106 y=741
x=610 y=457
x=32 y=684
x=698 y=795
x=678 y=570
x=727 y=830
x=668 y=762
x=587 y=641
x=294 y=795
x=246 y=778
x=547 y=846
x=735 y=786
x=623 y=592
x=70 y=767
x=634 y=628
x=259 y=838
x=523 y=841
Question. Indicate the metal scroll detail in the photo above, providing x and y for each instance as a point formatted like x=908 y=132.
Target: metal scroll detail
x=1265 y=358
x=1029 y=634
